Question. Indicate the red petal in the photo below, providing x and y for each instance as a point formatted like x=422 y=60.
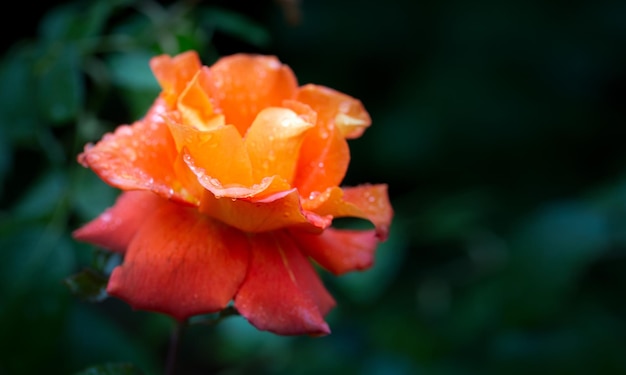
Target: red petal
x=116 y=227
x=282 y=292
x=182 y=264
x=339 y=251
x=139 y=157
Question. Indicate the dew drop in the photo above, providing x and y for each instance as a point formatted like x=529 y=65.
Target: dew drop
x=320 y=164
x=106 y=217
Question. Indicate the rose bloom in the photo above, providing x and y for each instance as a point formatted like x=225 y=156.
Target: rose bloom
x=230 y=187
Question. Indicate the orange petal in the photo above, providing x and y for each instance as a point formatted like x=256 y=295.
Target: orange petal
x=335 y=108
x=195 y=105
x=182 y=264
x=273 y=142
x=339 y=251
x=282 y=293
x=323 y=162
x=174 y=73
x=245 y=84
x=116 y=227
x=370 y=202
x=279 y=210
x=138 y=157
x=219 y=153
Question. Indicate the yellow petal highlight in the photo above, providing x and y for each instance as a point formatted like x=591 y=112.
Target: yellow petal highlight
x=195 y=105
x=273 y=142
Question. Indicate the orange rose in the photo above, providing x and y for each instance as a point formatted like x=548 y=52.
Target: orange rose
x=230 y=186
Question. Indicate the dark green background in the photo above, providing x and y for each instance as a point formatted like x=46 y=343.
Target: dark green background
x=499 y=127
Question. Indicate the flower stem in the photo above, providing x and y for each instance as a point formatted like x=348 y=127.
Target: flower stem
x=172 y=354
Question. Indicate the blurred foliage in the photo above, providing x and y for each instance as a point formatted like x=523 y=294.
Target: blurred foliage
x=499 y=127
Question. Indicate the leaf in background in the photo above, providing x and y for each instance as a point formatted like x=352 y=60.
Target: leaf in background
x=43 y=197
x=131 y=72
x=549 y=254
x=60 y=85
x=33 y=261
x=368 y=285
x=112 y=369
x=88 y=285
x=17 y=117
x=236 y=25
x=81 y=22
x=6 y=157
x=90 y=195
x=94 y=337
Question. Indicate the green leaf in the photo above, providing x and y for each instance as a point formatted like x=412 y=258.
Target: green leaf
x=78 y=21
x=370 y=284
x=90 y=195
x=17 y=117
x=131 y=72
x=43 y=197
x=236 y=25
x=88 y=285
x=112 y=369
x=60 y=86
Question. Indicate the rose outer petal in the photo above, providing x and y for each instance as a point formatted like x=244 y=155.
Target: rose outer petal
x=182 y=264
x=339 y=251
x=115 y=228
x=370 y=202
x=139 y=157
x=282 y=293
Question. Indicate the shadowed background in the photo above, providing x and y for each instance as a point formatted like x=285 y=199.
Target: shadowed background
x=499 y=128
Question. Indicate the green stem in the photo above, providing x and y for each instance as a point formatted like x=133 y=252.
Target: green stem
x=172 y=354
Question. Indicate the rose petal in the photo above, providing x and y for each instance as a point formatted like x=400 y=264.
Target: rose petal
x=195 y=105
x=281 y=292
x=339 y=251
x=182 y=264
x=116 y=227
x=174 y=73
x=139 y=157
x=336 y=108
x=273 y=142
x=370 y=202
x=245 y=84
x=276 y=211
x=323 y=161
x=219 y=153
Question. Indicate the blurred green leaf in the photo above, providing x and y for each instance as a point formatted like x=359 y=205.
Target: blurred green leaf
x=17 y=117
x=43 y=197
x=368 y=285
x=78 y=21
x=60 y=86
x=132 y=73
x=33 y=261
x=112 y=369
x=88 y=285
x=96 y=338
x=90 y=196
x=236 y=25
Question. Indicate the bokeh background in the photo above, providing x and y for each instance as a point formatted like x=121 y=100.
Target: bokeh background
x=499 y=127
